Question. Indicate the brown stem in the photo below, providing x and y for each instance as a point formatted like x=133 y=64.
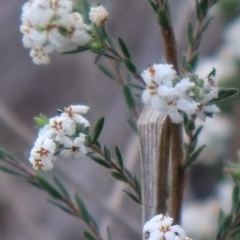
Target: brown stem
x=162 y=177
x=177 y=172
x=177 y=175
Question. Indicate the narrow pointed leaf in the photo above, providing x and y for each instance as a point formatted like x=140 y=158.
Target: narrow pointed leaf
x=61 y=188
x=83 y=210
x=63 y=208
x=124 y=48
x=129 y=65
x=132 y=196
x=193 y=157
x=129 y=97
x=97 y=130
x=11 y=171
x=79 y=49
x=100 y=161
x=107 y=154
x=133 y=125
x=225 y=93
x=107 y=72
x=136 y=86
x=52 y=191
x=120 y=177
x=206 y=25
x=119 y=157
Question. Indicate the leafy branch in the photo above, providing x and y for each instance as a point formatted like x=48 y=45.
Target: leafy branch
x=59 y=194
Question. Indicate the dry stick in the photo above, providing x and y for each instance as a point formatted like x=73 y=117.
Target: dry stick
x=177 y=155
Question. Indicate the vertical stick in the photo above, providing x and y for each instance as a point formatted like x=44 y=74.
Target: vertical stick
x=152 y=139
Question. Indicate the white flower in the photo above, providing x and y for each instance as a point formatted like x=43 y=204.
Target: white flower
x=42 y=154
x=50 y=25
x=160 y=228
x=74 y=148
x=60 y=136
x=98 y=15
x=74 y=112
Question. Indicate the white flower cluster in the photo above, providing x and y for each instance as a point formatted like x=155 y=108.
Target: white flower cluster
x=160 y=228
x=60 y=136
x=98 y=15
x=171 y=96
x=51 y=25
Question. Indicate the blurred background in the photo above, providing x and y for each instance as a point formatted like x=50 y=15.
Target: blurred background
x=27 y=90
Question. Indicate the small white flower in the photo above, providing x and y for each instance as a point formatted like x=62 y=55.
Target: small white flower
x=160 y=228
x=74 y=112
x=74 y=148
x=98 y=15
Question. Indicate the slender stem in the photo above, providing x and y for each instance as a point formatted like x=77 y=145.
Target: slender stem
x=118 y=169
x=177 y=175
x=177 y=172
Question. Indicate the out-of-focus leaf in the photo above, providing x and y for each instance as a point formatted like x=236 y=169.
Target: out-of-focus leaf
x=124 y=48
x=62 y=207
x=99 y=160
x=190 y=34
x=52 y=191
x=61 y=188
x=119 y=157
x=193 y=157
x=11 y=171
x=130 y=100
x=107 y=154
x=132 y=196
x=120 y=177
x=83 y=210
x=88 y=236
x=107 y=72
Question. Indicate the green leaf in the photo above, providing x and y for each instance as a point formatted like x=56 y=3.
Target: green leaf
x=235 y=233
x=225 y=93
x=203 y=7
x=130 y=100
x=192 y=63
x=132 y=196
x=221 y=217
x=97 y=130
x=119 y=157
x=153 y=5
x=11 y=171
x=163 y=19
x=107 y=154
x=52 y=191
x=206 y=25
x=65 y=209
x=119 y=176
x=99 y=55
x=197 y=132
x=190 y=34
x=61 y=188
x=88 y=236
x=108 y=38
x=99 y=160
x=83 y=210
x=124 y=48
x=227 y=223
x=129 y=65
x=235 y=198
x=193 y=157
x=79 y=49
x=42 y=120
x=133 y=125
x=107 y=72
x=6 y=155
x=137 y=185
